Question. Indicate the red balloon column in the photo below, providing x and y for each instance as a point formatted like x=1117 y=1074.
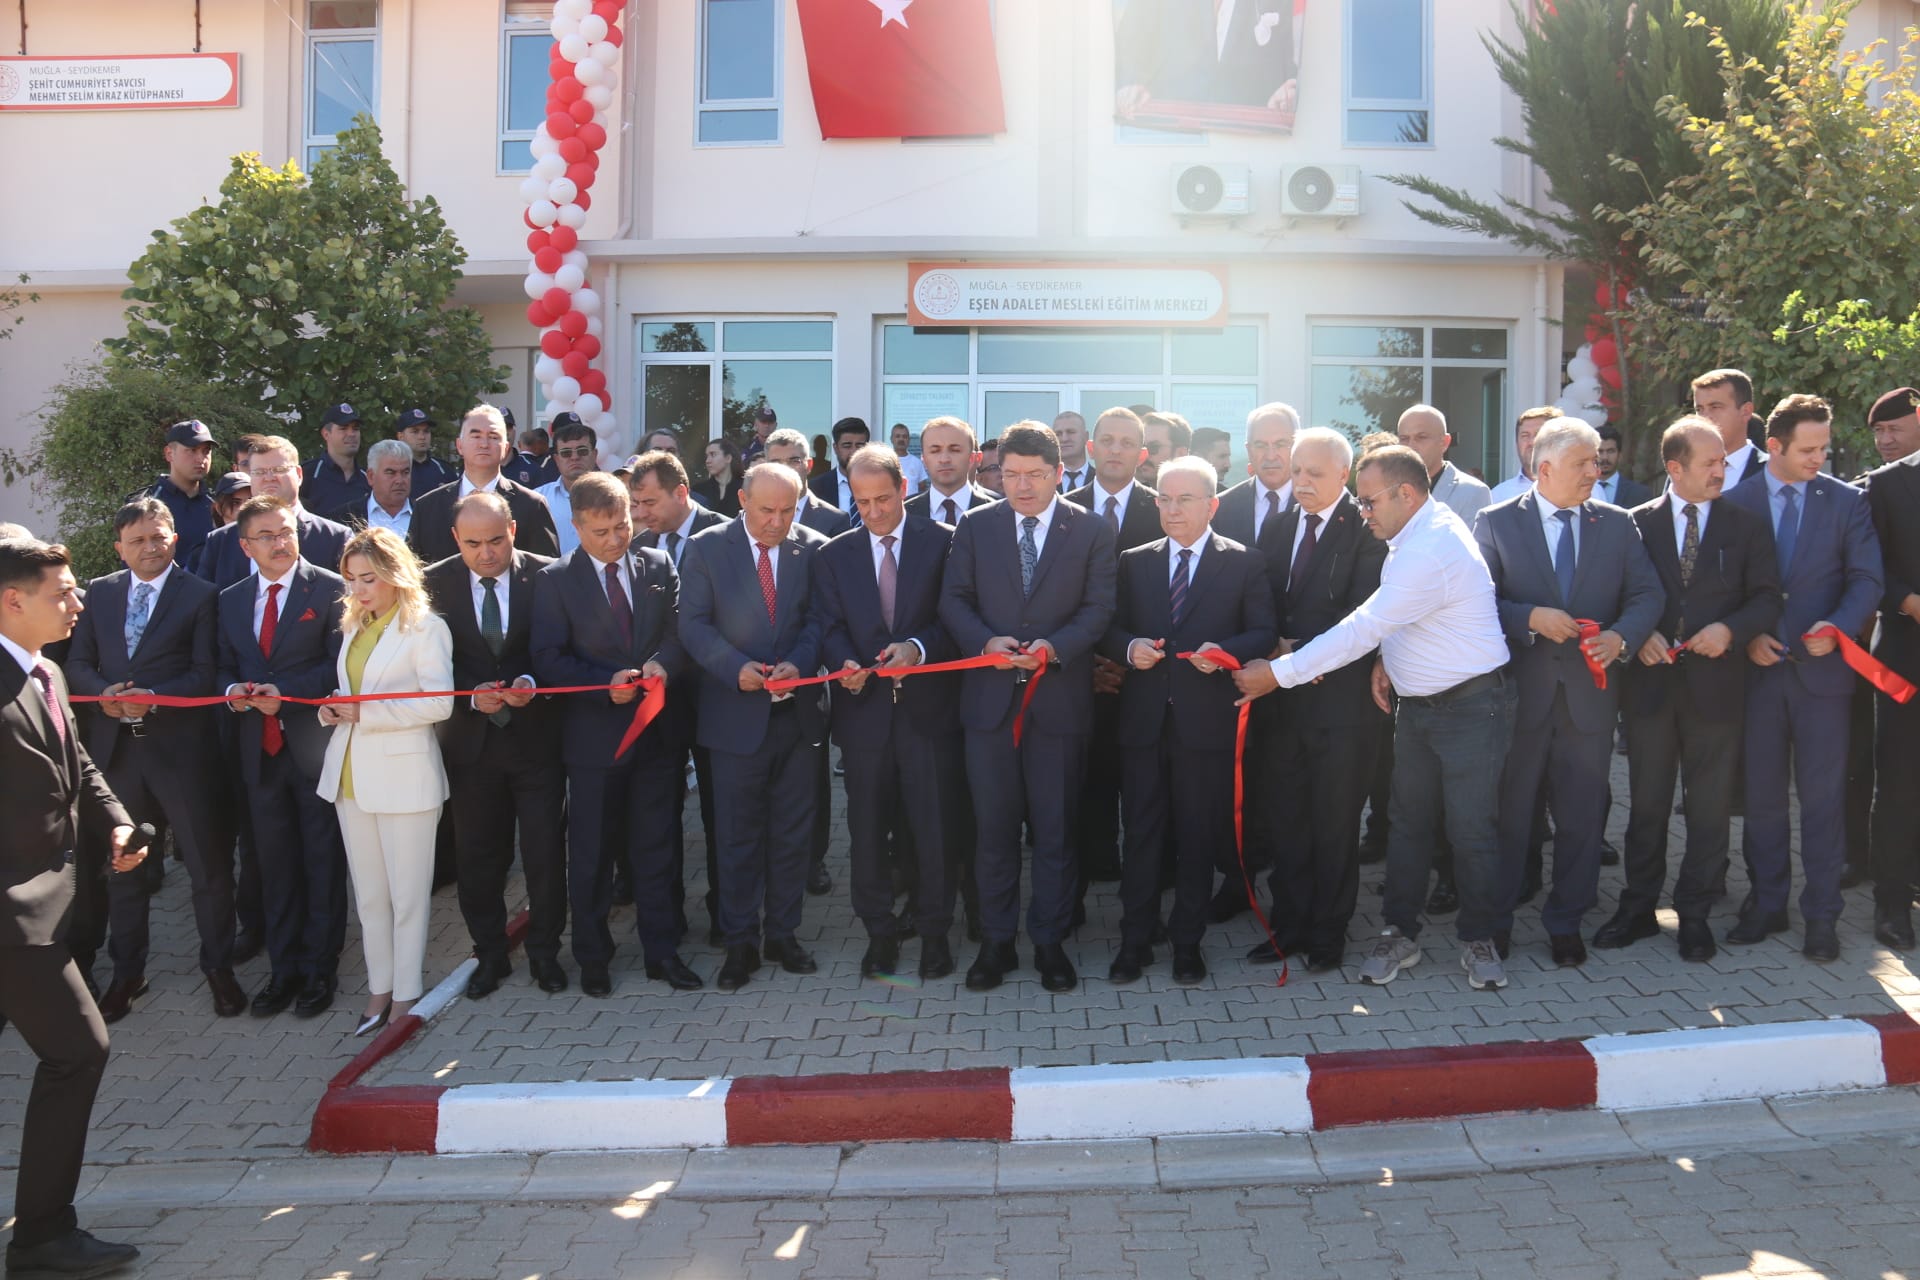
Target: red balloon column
x=584 y=69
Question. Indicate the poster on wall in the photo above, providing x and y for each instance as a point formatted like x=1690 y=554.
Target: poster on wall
x=1207 y=405
x=1232 y=65
x=918 y=403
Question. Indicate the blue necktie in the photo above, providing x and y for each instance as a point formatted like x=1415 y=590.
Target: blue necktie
x=1563 y=556
x=1178 y=591
x=137 y=613
x=1789 y=530
x=1029 y=553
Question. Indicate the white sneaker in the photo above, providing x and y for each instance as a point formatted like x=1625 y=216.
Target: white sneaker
x=1481 y=960
x=1392 y=951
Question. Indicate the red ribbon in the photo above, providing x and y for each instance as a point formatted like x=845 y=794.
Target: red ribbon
x=1876 y=673
x=986 y=661
x=1227 y=662
x=1590 y=630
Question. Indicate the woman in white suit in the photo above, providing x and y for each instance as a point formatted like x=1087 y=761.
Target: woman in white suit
x=383 y=770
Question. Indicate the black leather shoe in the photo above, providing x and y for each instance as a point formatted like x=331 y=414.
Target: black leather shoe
x=882 y=958
x=790 y=955
x=1696 y=940
x=1756 y=926
x=1229 y=902
x=274 y=997
x=547 y=975
x=1264 y=953
x=72 y=1256
x=936 y=958
x=1188 y=966
x=818 y=881
x=246 y=945
x=1323 y=959
x=1129 y=962
x=229 y=1001
x=1568 y=950
x=117 y=1002
x=742 y=962
x=486 y=976
x=1444 y=898
x=1609 y=856
x=1893 y=927
x=596 y=982
x=1056 y=971
x=316 y=996
x=1625 y=929
x=991 y=967
x=1822 y=941
x=674 y=972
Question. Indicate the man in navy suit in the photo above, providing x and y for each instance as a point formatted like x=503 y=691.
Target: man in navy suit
x=1191 y=591
x=1799 y=699
x=1615 y=486
x=275 y=468
x=606 y=614
x=877 y=591
x=280 y=635
x=744 y=617
x=149 y=629
x=1248 y=507
x=483 y=446
x=833 y=487
x=1557 y=558
x=1724 y=397
x=950 y=454
x=1030 y=579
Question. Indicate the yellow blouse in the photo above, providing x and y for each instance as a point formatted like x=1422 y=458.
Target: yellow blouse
x=359 y=649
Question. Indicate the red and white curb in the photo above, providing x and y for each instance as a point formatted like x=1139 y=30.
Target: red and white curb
x=1161 y=1099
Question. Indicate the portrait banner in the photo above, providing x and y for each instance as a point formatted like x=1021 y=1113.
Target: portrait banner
x=1188 y=65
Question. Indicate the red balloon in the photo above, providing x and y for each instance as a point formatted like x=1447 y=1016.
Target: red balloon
x=563 y=238
x=538 y=316
x=568 y=89
x=573 y=150
x=581 y=111
x=547 y=259
x=527 y=218
x=1610 y=376
x=592 y=382
x=558 y=301
x=609 y=11
x=586 y=344
x=1605 y=353
x=606 y=397
x=554 y=343
x=613 y=34
x=538 y=240
x=593 y=134
x=581 y=174
x=574 y=325
x=584 y=200
x=592 y=162
x=561 y=125
x=573 y=364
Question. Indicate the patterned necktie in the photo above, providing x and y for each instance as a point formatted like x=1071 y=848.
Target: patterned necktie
x=272 y=737
x=1113 y=514
x=43 y=676
x=1563 y=555
x=1177 y=590
x=1789 y=531
x=622 y=607
x=889 y=581
x=767 y=590
x=137 y=614
x=1690 y=544
x=1029 y=553
x=953 y=512
x=1304 y=556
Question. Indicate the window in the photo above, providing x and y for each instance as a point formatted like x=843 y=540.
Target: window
x=1389 y=73
x=525 y=44
x=1364 y=375
x=702 y=377
x=343 y=69
x=740 y=49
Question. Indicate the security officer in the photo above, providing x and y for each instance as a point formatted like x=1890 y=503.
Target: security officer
x=415 y=429
x=334 y=478
x=189 y=455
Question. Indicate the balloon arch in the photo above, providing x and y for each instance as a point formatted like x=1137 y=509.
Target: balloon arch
x=583 y=69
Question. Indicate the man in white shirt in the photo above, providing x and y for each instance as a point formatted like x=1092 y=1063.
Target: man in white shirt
x=1523 y=433
x=1442 y=650
x=1724 y=397
x=948 y=448
x=1423 y=429
x=389 y=505
x=1076 y=471
x=911 y=467
x=576 y=450
x=1249 y=507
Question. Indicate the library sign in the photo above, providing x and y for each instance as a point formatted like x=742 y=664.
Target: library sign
x=1055 y=294
x=123 y=82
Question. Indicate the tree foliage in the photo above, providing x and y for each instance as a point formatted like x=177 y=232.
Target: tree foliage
x=12 y=302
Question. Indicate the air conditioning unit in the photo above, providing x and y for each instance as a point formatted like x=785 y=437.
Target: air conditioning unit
x=1320 y=191
x=1212 y=190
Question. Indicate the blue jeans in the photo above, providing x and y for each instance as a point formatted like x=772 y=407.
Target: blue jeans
x=1454 y=747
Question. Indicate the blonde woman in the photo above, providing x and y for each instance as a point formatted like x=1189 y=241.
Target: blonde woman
x=383 y=771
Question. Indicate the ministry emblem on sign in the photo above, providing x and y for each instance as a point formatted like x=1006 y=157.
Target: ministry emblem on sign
x=9 y=83
x=937 y=294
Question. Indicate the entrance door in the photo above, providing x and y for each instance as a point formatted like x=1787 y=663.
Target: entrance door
x=1002 y=406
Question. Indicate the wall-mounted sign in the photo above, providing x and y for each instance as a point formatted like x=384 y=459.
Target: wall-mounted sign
x=124 y=82
x=977 y=295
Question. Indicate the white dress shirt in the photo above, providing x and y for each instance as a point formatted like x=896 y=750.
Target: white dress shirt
x=285 y=583
x=1260 y=491
x=27 y=660
x=1300 y=533
x=773 y=559
x=1120 y=501
x=845 y=490
x=1512 y=487
x=1675 y=502
x=962 y=499
x=1737 y=464
x=1608 y=489
x=879 y=557
x=377 y=517
x=1432 y=618
x=555 y=492
x=468 y=486
x=684 y=532
x=500 y=593
x=1175 y=547
x=159 y=584
x=1072 y=478
x=1039 y=530
x=624 y=568
x=1550 y=528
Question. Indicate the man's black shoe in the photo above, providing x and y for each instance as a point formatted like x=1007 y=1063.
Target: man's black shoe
x=991 y=967
x=316 y=996
x=742 y=962
x=246 y=945
x=1696 y=940
x=547 y=975
x=1129 y=962
x=1229 y=902
x=1822 y=941
x=72 y=1256
x=818 y=881
x=1625 y=929
x=936 y=957
x=1264 y=953
x=1568 y=949
x=274 y=997
x=486 y=976
x=882 y=958
x=1893 y=927
x=595 y=981
x=790 y=955
x=1056 y=971
x=1188 y=966
x=674 y=972
x=1609 y=856
x=1323 y=959
x=1444 y=898
x=1756 y=926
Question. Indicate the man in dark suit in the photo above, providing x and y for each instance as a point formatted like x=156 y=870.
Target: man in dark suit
x=53 y=800
x=1799 y=699
x=280 y=635
x=502 y=749
x=1684 y=712
x=1189 y=591
x=1317 y=756
x=1724 y=397
x=745 y=619
x=149 y=629
x=388 y=502
x=668 y=517
x=275 y=468
x=606 y=614
x=1615 y=487
x=1247 y=508
x=1893 y=497
x=833 y=488
x=1030 y=579
x=948 y=450
x=482 y=446
x=877 y=592
x=1557 y=557
x=1238 y=53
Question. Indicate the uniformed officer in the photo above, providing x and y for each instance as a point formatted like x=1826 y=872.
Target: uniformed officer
x=415 y=430
x=189 y=455
x=335 y=479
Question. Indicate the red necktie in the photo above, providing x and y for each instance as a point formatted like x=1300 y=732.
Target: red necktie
x=766 y=587
x=272 y=737
x=43 y=676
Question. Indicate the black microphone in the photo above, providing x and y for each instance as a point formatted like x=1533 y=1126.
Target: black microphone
x=143 y=837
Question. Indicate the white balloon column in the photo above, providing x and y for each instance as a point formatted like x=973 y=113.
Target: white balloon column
x=1582 y=396
x=583 y=69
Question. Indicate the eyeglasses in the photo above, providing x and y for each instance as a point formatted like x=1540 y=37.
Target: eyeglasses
x=274 y=539
x=1367 y=505
x=1186 y=501
x=570 y=455
x=270 y=473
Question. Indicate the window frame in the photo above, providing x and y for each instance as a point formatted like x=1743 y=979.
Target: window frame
x=312 y=42
x=702 y=104
x=715 y=361
x=1494 y=455
x=1350 y=103
x=513 y=26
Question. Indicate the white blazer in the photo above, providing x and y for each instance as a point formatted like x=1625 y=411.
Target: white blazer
x=396 y=758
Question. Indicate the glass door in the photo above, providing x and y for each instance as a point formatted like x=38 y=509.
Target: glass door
x=1002 y=406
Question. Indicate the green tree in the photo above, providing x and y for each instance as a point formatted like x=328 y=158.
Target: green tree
x=1791 y=251
x=11 y=303
x=300 y=291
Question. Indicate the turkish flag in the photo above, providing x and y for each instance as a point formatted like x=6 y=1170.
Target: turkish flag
x=902 y=68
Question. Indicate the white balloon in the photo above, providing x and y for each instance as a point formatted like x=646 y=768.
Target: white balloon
x=589 y=72
x=1593 y=415
x=565 y=388
x=543 y=143
x=608 y=429
x=547 y=168
x=569 y=215
x=605 y=54
x=593 y=28
x=542 y=212
x=588 y=406
x=538 y=282
x=1585 y=391
x=575 y=9
x=570 y=278
x=562 y=191
x=546 y=369
x=594 y=326
x=1584 y=349
x=574 y=258
x=586 y=302
x=600 y=95
x=563 y=26
x=532 y=188
x=575 y=47
x=1581 y=369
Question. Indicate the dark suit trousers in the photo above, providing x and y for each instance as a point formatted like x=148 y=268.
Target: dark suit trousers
x=86 y=928
x=1896 y=803
x=1790 y=728
x=703 y=775
x=1183 y=796
x=42 y=995
x=765 y=806
x=1097 y=825
x=488 y=798
x=1662 y=746
x=1266 y=823
x=303 y=870
x=1318 y=776
x=249 y=903
x=1556 y=756
x=1859 y=803
x=624 y=811
x=185 y=802
x=1037 y=783
x=912 y=783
